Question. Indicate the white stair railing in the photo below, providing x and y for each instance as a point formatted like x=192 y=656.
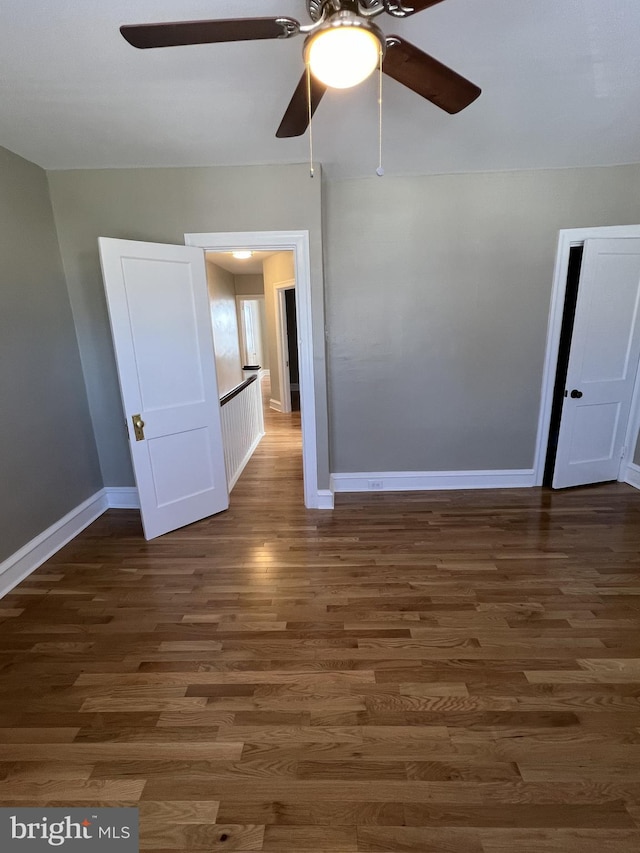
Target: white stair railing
x=242 y=426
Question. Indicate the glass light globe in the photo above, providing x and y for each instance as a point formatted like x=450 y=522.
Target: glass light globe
x=341 y=57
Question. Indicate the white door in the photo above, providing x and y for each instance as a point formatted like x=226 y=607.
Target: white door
x=251 y=338
x=163 y=340
x=603 y=363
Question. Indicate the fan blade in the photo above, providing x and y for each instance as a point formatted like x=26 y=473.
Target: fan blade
x=407 y=64
x=207 y=32
x=296 y=117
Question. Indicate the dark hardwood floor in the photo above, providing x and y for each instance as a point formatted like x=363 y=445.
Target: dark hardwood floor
x=436 y=672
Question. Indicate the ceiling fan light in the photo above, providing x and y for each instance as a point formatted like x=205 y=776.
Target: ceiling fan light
x=343 y=56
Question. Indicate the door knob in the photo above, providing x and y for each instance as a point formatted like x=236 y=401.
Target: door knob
x=138 y=427
x=575 y=394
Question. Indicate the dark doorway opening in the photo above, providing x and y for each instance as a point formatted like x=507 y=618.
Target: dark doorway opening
x=292 y=346
x=566 y=333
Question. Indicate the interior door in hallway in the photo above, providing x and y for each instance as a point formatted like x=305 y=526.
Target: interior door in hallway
x=251 y=343
x=163 y=340
x=603 y=363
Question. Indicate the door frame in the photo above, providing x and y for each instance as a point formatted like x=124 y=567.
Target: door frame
x=568 y=238
x=298 y=243
x=282 y=343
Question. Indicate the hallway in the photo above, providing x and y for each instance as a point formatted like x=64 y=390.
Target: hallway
x=277 y=460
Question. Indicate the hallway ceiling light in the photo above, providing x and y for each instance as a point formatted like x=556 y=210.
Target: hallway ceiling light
x=242 y=255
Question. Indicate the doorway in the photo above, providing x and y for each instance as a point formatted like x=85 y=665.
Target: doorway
x=564 y=349
x=287 y=348
x=298 y=243
x=252 y=328
x=292 y=349
x=559 y=343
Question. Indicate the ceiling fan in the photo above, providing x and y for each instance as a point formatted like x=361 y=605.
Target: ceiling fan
x=339 y=28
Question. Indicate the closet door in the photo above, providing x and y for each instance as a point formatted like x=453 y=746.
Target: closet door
x=603 y=363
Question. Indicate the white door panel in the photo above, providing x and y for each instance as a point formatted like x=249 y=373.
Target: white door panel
x=594 y=431
x=161 y=305
x=159 y=313
x=605 y=348
x=193 y=475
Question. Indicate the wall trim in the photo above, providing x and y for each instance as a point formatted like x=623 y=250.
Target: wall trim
x=276 y=405
x=632 y=475
x=298 y=242
x=324 y=499
x=43 y=546
x=122 y=497
x=409 y=481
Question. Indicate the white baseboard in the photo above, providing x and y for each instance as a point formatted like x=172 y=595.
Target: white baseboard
x=276 y=405
x=632 y=475
x=19 y=565
x=122 y=497
x=410 y=481
x=323 y=499
x=247 y=457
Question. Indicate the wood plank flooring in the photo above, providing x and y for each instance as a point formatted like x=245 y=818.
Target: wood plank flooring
x=454 y=672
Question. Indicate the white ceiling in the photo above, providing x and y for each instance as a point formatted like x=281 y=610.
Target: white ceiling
x=560 y=80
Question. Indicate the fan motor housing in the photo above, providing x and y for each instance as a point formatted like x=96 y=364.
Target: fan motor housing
x=319 y=9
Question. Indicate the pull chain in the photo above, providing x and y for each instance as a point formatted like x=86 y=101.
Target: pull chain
x=311 y=169
x=380 y=169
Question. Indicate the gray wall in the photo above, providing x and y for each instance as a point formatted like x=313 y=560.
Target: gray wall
x=48 y=459
x=162 y=205
x=249 y=285
x=437 y=299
